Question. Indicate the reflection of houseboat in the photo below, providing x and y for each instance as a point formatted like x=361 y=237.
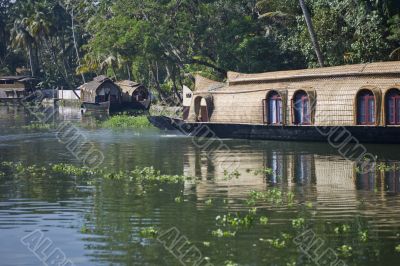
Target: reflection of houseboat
x=101 y=94
x=134 y=95
x=363 y=100
x=15 y=88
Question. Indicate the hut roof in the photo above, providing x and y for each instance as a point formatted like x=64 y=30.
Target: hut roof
x=93 y=85
x=383 y=68
x=128 y=86
x=207 y=85
x=14 y=78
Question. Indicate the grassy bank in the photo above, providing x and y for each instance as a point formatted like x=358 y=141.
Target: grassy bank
x=126 y=121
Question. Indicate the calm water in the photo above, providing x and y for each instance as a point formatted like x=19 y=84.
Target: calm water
x=100 y=223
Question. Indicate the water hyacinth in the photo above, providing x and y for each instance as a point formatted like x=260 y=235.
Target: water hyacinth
x=298 y=223
x=147 y=175
x=276 y=243
x=235 y=220
x=126 y=121
x=148 y=232
x=263 y=220
x=219 y=233
x=345 y=251
x=37 y=126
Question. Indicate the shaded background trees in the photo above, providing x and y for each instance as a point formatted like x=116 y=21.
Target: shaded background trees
x=163 y=43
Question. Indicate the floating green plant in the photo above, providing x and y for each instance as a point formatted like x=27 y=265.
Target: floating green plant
x=263 y=220
x=206 y=244
x=85 y=230
x=263 y=171
x=276 y=243
x=309 y=205
x=144 y=176
x=68 y=169
x=219 y=233
x=253 y=211
x=363 y=235
x=230 y=175
x=2 y=174
x=345 y=251
x=148 y=232
x=178 y=199
x=208 y=202
x=235 y=220
x=126 y=121
x=298 y=223
x=344 y=228
x=37 y=126
x=290 y=198
x=397 y=248
x=230 y=263
x=383 y=167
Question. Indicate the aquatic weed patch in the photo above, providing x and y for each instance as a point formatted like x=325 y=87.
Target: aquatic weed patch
x=37 y=126
x=143 y=176
x=274 y=196
x=126 y=121
x=148 y=232
x=72 y=170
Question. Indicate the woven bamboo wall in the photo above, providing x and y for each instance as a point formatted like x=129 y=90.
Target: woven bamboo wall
x=335 y=98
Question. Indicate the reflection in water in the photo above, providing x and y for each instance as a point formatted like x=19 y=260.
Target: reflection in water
x=277 y=164
x=384 y=176
x=98 y=223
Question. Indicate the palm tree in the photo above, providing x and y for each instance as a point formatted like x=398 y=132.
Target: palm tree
x=22 y=39
x=311 y=30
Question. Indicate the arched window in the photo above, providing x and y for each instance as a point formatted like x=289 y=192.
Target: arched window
x=201 y=110
x=366 y=108
x=301 y=108
x=274 y=109
x=392 y=105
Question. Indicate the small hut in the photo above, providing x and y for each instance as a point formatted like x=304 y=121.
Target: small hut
x=16 y=87
x=101 y=90
x=135 y=95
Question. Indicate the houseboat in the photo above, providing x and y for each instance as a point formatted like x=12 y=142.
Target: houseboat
x=356 y=103
x=100 y=94
x=15 y=88
x=134 y=95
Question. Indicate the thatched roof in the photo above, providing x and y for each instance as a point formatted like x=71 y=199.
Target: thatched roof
x=93 y=85
x=384 y=68
x=128 y=86
x=15 y=78
x=205 y=85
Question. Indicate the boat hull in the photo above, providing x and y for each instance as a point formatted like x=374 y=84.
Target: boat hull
x=99 y=107
x=354 y=134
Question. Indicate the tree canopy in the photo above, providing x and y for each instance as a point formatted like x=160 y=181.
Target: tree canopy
x=163 y=43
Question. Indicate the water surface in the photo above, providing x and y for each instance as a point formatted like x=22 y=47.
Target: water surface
x=99 y=223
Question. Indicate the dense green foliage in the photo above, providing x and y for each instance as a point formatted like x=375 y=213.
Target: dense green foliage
x=126 y=121
x=164 y=43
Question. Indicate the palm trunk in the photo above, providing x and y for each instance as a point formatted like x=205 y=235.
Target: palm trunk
x=311 y=30
x=30 y=54
x=31 y=61
x=75 y=44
